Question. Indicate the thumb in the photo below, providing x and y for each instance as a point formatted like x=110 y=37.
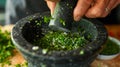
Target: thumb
x=51 y=5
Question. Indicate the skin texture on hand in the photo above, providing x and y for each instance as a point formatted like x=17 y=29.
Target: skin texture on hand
x=51 y=5
x=89 y=8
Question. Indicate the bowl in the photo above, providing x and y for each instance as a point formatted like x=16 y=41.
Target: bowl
x=27 y=30
x=112 y=56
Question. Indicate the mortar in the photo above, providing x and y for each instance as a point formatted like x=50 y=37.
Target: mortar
x=26 y=31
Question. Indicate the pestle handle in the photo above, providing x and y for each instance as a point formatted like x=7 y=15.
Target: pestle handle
x=63 y=13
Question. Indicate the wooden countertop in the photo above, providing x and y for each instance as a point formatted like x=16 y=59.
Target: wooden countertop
x=113 y=31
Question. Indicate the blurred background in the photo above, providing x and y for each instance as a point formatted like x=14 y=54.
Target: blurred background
x=13 y=10
x=2 y=11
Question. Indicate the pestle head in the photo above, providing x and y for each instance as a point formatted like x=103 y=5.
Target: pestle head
x=63 y=15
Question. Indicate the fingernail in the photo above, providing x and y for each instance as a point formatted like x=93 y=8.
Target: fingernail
x=77 y=18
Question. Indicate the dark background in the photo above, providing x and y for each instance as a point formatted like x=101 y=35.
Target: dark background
x=112 y=18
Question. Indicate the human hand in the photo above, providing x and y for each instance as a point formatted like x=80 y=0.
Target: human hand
x=89 y=8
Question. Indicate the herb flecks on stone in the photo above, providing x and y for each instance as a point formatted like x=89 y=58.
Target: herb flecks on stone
x=61 y=41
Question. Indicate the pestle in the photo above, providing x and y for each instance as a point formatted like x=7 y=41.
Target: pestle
x=63 y=15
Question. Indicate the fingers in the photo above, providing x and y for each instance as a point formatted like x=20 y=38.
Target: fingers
x=89 y=8
x=112 y=4
x=51 y=6
x=116 y=4
x=81 y=8
x=97 y=10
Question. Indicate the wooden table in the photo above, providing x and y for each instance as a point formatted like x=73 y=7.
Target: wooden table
x=113 y=30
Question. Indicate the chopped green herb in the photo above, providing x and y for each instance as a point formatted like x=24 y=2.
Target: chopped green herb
x=36 y=21
x=30 y=18
x=44 y=51
x=110 y=48
x=22 y=65
x=18 y=65
x=61 y=41
x=25 y=64
x=81 y=52
x=99 y=65
x=6 y=47
x=39 y=24
x=62 y=22
x=47 y=19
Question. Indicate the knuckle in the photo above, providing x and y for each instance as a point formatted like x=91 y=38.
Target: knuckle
x=93 y=14
x=97 y=13
x=88 y=2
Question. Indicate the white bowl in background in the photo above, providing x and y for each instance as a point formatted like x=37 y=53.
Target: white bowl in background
x=109 y=57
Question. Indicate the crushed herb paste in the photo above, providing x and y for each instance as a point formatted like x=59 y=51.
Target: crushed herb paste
x=110 y=48
x=6 y=47
x=61 y=41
